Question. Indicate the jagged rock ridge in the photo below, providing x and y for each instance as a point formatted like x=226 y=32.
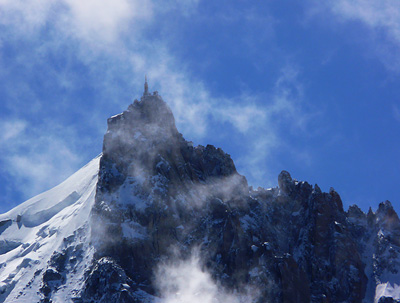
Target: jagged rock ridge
x=158 y=198
x=296 y=243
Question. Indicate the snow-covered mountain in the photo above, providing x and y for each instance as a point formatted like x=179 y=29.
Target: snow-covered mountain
x=35 y=233
x=155 y=219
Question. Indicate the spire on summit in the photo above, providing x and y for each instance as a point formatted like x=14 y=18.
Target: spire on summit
x=146 y=87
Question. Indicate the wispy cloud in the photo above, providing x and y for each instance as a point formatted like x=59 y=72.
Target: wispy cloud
x=375 y=14
x=382 y=18
x=93 y=20
x=396 y=112
x=37 y=151
x=282 y=114
x=36 y=158
x=186 y=281
x=11 y=129
x=107 y=39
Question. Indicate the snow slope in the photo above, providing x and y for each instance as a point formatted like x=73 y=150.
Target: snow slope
x=32 y=232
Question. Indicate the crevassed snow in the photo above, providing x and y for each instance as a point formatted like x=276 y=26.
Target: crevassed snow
x=34 y=230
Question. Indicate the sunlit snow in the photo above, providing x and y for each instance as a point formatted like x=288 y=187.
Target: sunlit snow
x=34 y=230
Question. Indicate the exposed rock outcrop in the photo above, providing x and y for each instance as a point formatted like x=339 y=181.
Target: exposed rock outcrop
x=157 y=194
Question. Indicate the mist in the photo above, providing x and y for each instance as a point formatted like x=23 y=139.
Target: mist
x=187 y=281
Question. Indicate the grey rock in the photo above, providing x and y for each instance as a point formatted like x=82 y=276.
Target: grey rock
x=285 y=182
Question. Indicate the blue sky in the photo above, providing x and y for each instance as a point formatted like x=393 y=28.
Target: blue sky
x=305 y=86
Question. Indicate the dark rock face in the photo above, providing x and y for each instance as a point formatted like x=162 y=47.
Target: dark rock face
x=143 y=146
x=285 y=182
x=61 y=264
x=155 y=191
x=143 y=142
x=107 y=282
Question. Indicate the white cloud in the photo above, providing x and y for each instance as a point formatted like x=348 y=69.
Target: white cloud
x=96 y=22
x=382 y=18
x=11 y=129
x=40 y=169
x=185 y=281
x=36 y=158
x=254 y=164
x=284 y=111
x=98 y=25
x=242 y=114
x=375 y=14
x=396 y=112
x=26 y=15
x=104 y=20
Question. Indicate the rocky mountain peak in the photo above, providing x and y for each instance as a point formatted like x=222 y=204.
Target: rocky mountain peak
x=143 y=143
x=148 y=119
x=158 y=187
x=387 y=216
x=285 y=182
x=385 y=209
x=355 y=212
x=153 y=203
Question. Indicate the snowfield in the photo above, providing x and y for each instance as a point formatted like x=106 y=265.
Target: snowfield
x=50 y=222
